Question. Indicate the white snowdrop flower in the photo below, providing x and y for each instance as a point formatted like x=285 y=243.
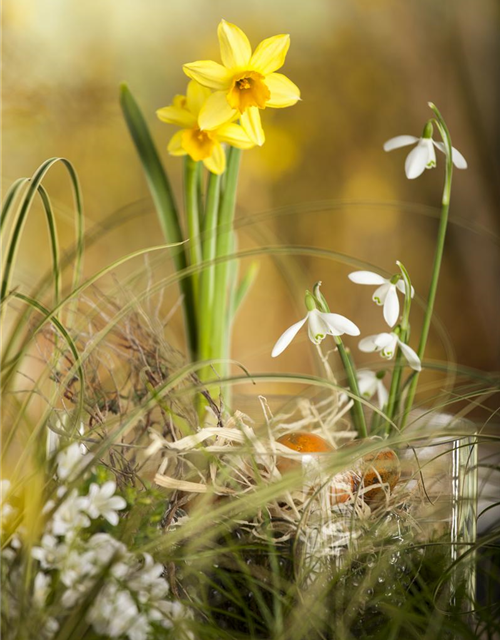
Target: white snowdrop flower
x=112 y=612
x=423 y=156
x=385 y=294
x=71 y=461
x=140 y=628
x=371 y=384
x=50 y=553
x=320 y=325
x=70 y=516
x=41 y=588
x=386 y=344
x=103 y=502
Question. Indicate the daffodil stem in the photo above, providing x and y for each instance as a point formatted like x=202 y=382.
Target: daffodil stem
x=207 y=277
x=220 y=316
x=357 y=408
x=438 y=257
x=191 y=178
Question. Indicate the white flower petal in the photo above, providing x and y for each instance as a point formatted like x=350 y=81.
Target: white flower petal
x=366 y=277
x=411 y=356
x=367 y=383
x=380 y=294
x=401 y=286
x=399 y=141
x=285 y=339
x=368 y=344
x=391 y=306
x=338 y=325
x=417 y=160
x=317 y=327
x=383 y=394
x=458 y=160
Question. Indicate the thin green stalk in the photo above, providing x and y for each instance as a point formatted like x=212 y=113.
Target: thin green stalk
x=207 y=277
x=357 y=412
x=191 y=179
x=404 y=333
x=224 y=244
x=443 y=223
x=357 y=408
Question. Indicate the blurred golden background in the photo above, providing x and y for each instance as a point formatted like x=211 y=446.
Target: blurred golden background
x=366 y=69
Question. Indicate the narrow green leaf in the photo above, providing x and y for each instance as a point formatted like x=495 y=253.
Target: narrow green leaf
x=163 y=198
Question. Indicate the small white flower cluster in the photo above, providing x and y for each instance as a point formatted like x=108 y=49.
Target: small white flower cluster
x=131 y=593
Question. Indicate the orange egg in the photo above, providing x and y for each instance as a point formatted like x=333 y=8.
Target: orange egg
x=302 y=442
x=382 y=466
x=344 y=486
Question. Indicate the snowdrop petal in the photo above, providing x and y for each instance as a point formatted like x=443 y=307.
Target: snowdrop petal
x=401 y=286
x=338 y=325
x=383 y=394
x=383 y=340
x=366 y=277
x=285 y=339
x=367 y=383
x=458 y=160
x=318 y=328
x=391 y=307
x=411 y=356
x=368 y=344
x=417 y=160
x=399 y=141
x=380 y=294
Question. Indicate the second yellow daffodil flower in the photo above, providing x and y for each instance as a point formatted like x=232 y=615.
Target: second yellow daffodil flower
x=192 y=140
x=245 y=83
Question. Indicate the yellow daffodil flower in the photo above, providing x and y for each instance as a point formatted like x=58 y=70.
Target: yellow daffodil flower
x=245 y=82
x=192 y=140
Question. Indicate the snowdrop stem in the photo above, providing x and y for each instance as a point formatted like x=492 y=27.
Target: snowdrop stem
x=357 y=412
x=357 y=408
x=438 y=256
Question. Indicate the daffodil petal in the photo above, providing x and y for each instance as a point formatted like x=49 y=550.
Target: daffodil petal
x=175 y=115
x=391 y=306
x=215 y=112
x=235 y=49
x=196 y=96
x=216 y=162
x=399 y=141
x=175 y=144
x=235 y=135
x=458 y=160
x=270 y=54
x=250 y=121
x=417 y=160
x=411 y=356
x=284 y=93
x=287 y=336
x=366 y=277
x=208 y=73
x=338 y=325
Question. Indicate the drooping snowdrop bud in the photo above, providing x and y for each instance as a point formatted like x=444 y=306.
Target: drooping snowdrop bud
x=386 y=344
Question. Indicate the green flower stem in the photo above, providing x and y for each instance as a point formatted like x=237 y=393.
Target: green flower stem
x=445 y=207
x=357 y=408
x=404 y=334
x=219 y=310
x=207 y=277
x=191 y=177
x=357 y=412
